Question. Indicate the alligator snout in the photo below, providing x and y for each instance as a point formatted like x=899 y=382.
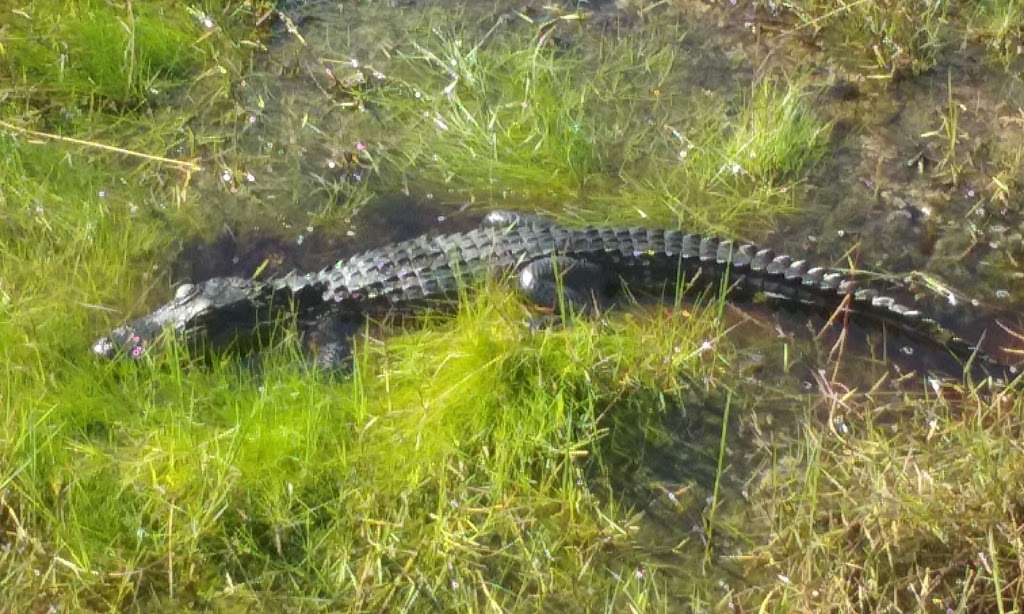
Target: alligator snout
x=123 y=341
x=104 y=348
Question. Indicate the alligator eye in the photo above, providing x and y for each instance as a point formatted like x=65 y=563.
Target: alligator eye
x=184 y=291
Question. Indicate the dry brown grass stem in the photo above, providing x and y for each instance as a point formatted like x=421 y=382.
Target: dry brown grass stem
x=186 y=165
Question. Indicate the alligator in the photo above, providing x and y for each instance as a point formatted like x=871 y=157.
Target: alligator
x=557 y=267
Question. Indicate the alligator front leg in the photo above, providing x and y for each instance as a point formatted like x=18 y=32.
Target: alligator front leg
x=328 y=339
x=567 y=284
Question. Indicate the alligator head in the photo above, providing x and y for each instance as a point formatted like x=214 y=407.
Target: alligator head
x=215 y=307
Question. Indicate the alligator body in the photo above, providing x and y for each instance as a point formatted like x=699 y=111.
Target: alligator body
x=555 y=266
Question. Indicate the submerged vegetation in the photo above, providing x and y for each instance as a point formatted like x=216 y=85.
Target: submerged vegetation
x=657 y=458
x=911 y=37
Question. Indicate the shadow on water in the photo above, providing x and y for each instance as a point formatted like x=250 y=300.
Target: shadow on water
x=244 y=252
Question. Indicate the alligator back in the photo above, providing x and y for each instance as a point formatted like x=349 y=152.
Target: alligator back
x=642 y=259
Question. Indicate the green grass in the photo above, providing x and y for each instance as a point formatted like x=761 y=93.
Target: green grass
x=888 y=38
x=740 y=175
x=598 y=134
x=94 y=51
x=628 y=463
x=100 y=54
x=891 y=39
x=1000 y=25
x=467 y=482
x=910 y=504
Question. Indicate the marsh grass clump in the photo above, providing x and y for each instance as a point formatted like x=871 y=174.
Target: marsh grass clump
x=899 y=38
x=913 y=503
x=739 y=174
x=103 y=74
x=1000 y=24
x=597 y=129
x=500 y=116
x=893 y=37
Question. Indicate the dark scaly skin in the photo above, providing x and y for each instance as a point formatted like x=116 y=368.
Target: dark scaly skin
x=596 y=263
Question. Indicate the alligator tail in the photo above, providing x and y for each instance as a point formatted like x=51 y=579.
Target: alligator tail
x=757 y=269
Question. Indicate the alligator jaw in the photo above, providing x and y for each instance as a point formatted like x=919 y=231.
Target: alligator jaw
x=188 y=312
x=134 y=338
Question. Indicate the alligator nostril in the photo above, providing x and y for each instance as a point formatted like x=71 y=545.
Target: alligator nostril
x=103 y=348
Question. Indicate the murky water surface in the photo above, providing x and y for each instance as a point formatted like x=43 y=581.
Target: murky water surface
x=305 y=183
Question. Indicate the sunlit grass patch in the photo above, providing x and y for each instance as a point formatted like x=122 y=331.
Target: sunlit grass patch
x=737 y=175
x=94 y=79
x=92 y=49
x=604 y=130
x=455 y=465
x=905 y=503
x=94 y=53
x=498 y=117
x=68 y=235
